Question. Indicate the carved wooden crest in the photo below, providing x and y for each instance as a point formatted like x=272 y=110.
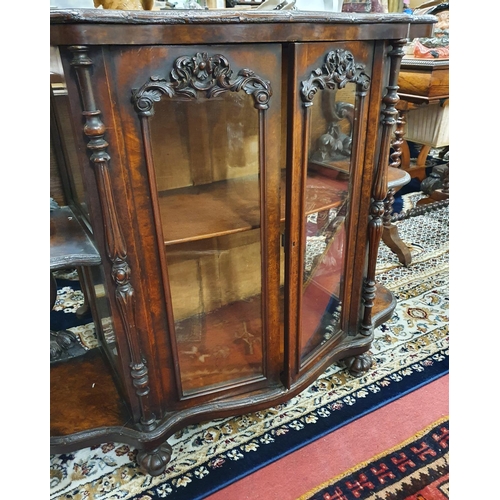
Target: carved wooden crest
x=202 y=74
x=339 y=69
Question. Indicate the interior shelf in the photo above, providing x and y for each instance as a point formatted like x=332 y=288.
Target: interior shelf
x=83 y=395
x=232 y=206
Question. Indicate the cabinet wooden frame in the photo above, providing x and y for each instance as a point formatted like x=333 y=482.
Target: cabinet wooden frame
x=111 y=64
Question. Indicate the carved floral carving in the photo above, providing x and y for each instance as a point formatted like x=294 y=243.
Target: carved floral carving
x=339 y=69
x=201 y=73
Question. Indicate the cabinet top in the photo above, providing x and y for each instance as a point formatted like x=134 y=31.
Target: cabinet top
x=228 y=16
x=99 y=26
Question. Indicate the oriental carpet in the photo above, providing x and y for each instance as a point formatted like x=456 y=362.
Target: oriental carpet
x=416 y=469
x=409 y=352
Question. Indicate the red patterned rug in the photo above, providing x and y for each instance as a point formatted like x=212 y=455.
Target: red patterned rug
x=417 y=469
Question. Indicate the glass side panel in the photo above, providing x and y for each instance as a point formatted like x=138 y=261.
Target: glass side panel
x=205 y=155
x=326 y=206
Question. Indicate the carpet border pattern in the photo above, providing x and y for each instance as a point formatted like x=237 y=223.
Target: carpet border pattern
x=397 y=473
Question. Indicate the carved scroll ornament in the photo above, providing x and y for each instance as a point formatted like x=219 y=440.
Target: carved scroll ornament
x=209 y=75
x=339 y=69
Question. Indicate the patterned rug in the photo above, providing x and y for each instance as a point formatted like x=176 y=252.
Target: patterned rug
x=409 y=351
x=417 y=469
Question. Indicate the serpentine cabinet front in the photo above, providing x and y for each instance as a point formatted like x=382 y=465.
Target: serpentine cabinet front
x=235 y=192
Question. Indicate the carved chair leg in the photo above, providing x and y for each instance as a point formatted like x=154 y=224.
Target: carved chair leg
x=417 y=170
x=422 y=156
x=433 y=181
x=391 y=238
x=405 y=156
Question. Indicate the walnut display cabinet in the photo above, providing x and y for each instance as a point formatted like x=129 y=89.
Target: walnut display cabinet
x=234 y=167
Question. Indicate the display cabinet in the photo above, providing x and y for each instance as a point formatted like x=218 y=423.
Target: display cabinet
x=234 y=167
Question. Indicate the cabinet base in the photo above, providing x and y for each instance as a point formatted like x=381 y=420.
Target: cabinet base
x=105 y=423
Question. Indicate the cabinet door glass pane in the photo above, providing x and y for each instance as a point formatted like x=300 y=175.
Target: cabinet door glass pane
x=205 y=154
x=326 y=207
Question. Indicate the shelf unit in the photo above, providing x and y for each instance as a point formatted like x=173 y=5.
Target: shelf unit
x=235 y=204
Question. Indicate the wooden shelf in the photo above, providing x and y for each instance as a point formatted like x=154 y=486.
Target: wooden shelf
x=397 y=178
x=83 y=395
x=70 y=245
x=233 y=206
x=343 y=165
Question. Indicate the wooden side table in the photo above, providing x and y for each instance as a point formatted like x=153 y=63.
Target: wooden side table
x=423 y=109
x=422 y=118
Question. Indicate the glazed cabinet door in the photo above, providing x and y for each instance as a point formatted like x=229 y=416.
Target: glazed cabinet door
x=209 y=121
x=331 y=168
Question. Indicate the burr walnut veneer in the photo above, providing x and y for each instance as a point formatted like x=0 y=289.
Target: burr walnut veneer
x=234 y=166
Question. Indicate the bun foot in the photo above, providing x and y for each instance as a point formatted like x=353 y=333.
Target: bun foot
x=358 y=365
x=154 y=462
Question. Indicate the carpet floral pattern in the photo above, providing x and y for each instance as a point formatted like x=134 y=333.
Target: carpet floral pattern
x=408 y=350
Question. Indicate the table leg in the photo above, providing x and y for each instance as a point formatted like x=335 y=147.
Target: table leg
x=390 y=234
